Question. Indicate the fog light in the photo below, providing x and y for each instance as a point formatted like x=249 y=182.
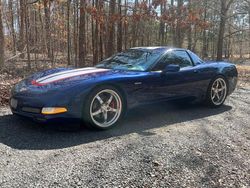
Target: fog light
x=53 y=110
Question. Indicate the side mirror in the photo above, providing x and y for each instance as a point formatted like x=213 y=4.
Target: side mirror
x=171 y=68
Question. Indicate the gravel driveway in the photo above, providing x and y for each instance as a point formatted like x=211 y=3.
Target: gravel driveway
x=155 y=146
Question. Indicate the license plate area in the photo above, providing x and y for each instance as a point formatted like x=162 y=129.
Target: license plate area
x=13 y=103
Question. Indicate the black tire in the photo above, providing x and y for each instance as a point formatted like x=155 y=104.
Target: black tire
x=89 y=120
x=211 y=91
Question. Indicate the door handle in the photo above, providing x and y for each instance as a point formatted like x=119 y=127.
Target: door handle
x=196 y=71
x=138 y=83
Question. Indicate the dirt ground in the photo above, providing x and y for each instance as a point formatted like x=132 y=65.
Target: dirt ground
x=154 y=146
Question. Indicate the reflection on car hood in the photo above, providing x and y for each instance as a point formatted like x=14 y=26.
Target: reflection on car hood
x=67 y=75
x=53 y=79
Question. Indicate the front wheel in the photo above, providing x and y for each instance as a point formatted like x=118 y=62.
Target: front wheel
x=104 y=107
x=217 y=92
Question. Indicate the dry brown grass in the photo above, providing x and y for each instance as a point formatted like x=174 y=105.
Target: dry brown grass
x=243 y=71
x=244 y=75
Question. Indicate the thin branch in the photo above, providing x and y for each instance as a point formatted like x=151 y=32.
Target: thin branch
x=237 y=13
x=32 y=2
x=233 y=33
x=17 y=55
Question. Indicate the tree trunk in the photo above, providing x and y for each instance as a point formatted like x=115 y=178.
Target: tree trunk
x=27 y=34
x=36 y=37
x=21 y=33
x=229 y=48
x=102 y=28
x=93 y=35
x=68 y=32
x=119 y=32
x=161 y=28
x=134 y=26
x=190 y=27
x=204 y=34
x=179 y=36
x=13 y=32
x=46 y=4
x=126 y=27
x=110 y=46
x=221 y=34
x=173 y=25
x=76 y=12
x=96 y=37
x=1 y=38
x=82 y=34
x=225 y=5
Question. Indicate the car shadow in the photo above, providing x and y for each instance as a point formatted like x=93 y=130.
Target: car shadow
x=24 y=134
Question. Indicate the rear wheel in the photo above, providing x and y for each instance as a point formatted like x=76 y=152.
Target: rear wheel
x=217 y=92
x=104 y=107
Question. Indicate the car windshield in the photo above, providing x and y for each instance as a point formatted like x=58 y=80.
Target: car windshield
x=132 y=59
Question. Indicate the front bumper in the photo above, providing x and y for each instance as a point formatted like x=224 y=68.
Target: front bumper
x=31 y=107
x=46 y=118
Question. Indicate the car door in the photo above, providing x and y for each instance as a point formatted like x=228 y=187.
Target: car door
x=171 y=85
x=204 y=73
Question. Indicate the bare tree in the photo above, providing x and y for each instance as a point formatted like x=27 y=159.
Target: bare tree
x=110 y=46
x=27 y=33
x=13 y=32
x=119 y=29
x=72 y=34
x=75 y=29
x=82 y=34
x=21 y=31
x=225 y=5
x=162 y=24
x=1 y=38
x=68 y=32
x=190 y=26
x=204 y=33
x=46 y=4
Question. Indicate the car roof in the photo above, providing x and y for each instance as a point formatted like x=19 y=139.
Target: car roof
x=157 y=48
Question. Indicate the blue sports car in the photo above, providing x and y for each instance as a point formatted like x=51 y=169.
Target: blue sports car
x=101 y=95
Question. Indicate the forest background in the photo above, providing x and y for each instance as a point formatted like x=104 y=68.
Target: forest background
x=40 y=34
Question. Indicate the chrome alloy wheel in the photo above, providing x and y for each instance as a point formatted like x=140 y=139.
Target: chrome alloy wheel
x=105 y=108
x=218 y=91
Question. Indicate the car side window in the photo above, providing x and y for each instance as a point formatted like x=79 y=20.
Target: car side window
x=183 y=58
x=195 y=58
x=166 y=60
x=178 y=57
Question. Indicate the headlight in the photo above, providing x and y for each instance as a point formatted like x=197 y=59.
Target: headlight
x=53 y=110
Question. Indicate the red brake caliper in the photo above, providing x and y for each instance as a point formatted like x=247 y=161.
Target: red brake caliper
x=112 y=104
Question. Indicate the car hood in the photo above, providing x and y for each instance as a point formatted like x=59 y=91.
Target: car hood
x=64 y=76
x=53 y=79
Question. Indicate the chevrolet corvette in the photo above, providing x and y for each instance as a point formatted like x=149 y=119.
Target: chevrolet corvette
x=101 y=95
